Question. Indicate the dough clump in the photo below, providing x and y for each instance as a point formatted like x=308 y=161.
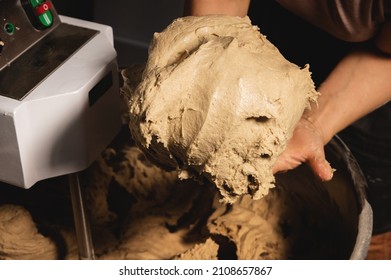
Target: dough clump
x=217 y=100
x=19 y=236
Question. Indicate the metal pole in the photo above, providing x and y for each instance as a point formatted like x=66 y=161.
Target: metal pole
x=82 y=226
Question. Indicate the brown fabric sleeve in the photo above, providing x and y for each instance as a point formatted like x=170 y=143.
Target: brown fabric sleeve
x=349 y=20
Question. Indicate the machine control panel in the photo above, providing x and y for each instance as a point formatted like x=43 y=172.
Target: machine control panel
x=22 y=24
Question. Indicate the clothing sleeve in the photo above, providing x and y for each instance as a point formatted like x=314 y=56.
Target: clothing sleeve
x=349 y=20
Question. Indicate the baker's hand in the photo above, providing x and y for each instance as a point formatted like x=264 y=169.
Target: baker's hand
x=305 y=146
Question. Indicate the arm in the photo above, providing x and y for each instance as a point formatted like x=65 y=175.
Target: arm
x=359 y=84
x=227 y=7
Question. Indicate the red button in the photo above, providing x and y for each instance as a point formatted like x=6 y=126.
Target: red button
x=43 y=8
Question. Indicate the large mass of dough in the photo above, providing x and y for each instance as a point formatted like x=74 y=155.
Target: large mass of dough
x=217 y=100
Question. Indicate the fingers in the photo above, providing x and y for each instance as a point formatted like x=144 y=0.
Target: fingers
x=286 y=162
x=318 y=163
x=278 y=166
x=281 y=165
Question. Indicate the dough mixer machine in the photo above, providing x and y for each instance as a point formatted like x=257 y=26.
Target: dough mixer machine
x=59 y=99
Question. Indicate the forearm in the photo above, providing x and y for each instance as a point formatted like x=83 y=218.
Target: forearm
x=359 y=84
x=226 y=7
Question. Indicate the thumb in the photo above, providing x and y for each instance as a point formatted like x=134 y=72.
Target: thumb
x=321 y=166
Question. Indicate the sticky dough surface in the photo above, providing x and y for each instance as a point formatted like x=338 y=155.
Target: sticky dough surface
x=217 y=100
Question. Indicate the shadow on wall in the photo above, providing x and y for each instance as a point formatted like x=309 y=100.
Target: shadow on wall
x=133 y=22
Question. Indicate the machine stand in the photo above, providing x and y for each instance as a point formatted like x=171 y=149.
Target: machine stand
x=80 y=215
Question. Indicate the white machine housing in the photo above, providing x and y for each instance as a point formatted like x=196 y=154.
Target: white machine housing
x=55 y=130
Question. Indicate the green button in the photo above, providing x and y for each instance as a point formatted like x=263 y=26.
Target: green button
x=46 y=19
x=35 y=3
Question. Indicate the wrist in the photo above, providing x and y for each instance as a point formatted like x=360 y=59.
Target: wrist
x=224 y=7
x=319 y=119
x=309 y=122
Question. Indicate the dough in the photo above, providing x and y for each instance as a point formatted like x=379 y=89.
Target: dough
x=218 y=101
x=19 y=237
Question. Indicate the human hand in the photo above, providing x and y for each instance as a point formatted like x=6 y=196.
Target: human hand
x=305 y=146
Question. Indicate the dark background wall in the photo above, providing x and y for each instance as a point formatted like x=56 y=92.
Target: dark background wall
x=133 y=21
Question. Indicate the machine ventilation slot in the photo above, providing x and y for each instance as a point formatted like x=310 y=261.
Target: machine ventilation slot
x=100 y=88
